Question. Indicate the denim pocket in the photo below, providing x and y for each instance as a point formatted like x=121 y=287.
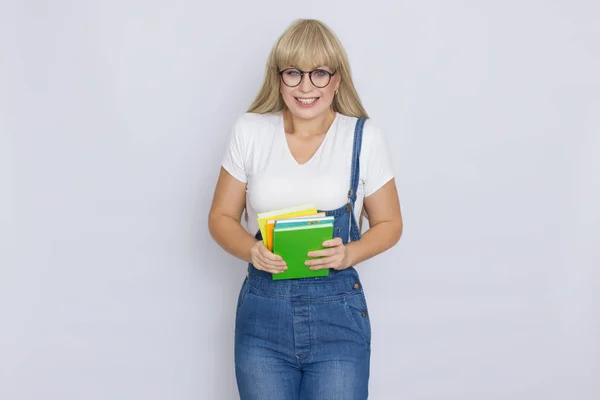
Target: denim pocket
x=243 y=293
x=356 y=308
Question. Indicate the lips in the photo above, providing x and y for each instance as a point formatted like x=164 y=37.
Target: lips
x=306 y=101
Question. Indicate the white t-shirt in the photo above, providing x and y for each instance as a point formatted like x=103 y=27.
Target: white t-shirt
x=258 y=155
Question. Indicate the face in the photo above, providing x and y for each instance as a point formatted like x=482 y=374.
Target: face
x=308 y=94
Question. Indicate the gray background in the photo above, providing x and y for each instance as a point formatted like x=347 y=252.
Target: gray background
x=113 y=119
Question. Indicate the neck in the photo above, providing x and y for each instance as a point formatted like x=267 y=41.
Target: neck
x=308 y=127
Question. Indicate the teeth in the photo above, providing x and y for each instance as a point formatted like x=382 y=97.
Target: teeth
x=306 y=101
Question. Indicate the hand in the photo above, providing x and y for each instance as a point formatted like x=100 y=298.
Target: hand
x=264 y=260
x=334 y=256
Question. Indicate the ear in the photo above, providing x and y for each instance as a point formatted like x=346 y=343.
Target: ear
x=338 y=82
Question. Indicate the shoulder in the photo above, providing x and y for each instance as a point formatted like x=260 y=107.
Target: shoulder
x=248 y=122
x=251 y=133
x=372 y=133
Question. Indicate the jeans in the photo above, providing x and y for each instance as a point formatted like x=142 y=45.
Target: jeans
x=302 y=339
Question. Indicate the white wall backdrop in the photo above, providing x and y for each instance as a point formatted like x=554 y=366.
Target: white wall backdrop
x=113 y=119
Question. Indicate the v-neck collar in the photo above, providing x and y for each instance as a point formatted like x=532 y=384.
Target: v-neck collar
x=329 y=132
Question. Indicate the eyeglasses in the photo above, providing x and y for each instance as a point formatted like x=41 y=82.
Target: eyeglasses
x=293 y=76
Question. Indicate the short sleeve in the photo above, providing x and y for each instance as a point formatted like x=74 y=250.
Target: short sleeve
x=379 y=168
x=234 y=159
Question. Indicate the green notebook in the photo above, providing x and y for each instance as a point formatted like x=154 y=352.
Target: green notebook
x=294 y=243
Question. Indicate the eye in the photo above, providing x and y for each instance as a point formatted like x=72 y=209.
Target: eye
x=321 y=73
x=292 y=72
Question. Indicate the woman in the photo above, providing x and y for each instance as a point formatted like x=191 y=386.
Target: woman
x=305 y=140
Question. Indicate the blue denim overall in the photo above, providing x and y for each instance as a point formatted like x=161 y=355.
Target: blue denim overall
x=309 y=338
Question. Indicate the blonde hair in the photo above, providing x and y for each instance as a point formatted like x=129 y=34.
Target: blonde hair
x=308 y=43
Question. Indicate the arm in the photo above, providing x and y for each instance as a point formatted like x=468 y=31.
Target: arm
x=224 y=225
x=385 y=225
x=385 y=221
x=225 y=214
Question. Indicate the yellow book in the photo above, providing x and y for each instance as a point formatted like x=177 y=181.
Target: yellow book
x=299 y=211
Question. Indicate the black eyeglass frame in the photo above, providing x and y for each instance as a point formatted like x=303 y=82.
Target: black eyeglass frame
x=331 y=74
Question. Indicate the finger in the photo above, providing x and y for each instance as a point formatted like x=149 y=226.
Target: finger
x=274 y=270
x=271 y=269
x=321 y=261
x=266 y=253
x=279 y=268
x=323 y=253
x=269 y=255
x=273 y=265
x=337 y=241
x=319 y=267
x=330 y=265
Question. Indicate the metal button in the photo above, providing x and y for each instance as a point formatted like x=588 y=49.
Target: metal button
x=348 y=208
x=364 y=314
x=356 y=286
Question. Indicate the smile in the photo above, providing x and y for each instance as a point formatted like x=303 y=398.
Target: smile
x=306 y=101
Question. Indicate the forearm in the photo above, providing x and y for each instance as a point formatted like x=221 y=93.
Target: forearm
x=374 y=241
x=231 y=236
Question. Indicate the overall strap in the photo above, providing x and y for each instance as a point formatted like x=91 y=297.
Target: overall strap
x=355 y=175
x=354 y=229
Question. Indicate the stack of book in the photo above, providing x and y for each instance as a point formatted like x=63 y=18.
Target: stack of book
x=293 y=232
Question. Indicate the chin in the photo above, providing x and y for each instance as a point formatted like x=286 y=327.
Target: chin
x=307 y=113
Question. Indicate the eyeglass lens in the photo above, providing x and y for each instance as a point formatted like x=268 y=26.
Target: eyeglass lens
x=292 y=77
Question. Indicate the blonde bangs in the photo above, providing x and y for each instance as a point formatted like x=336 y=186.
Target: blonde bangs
x=307 y=46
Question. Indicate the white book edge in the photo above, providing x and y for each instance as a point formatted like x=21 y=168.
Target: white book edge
x=295 y=220
x=301 y=227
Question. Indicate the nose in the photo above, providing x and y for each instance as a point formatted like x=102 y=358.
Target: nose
x=306 y=85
